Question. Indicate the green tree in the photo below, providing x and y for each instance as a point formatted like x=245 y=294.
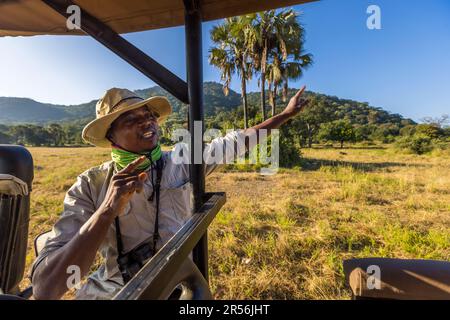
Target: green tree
x=432 y=131
x=279 y=36
x=56 y=134
x=72 y=134
x=340 y=131
x=364 y=132
x=286 y=58
x=386 y=132
x=231 y=53
x=408 y=130
x=29 y=135
x=316 y=113
x=417 y=143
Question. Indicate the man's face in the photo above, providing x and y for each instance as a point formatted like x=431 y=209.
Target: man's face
x=136 y=130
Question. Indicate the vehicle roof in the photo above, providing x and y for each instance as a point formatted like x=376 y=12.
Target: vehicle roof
x=32 y=17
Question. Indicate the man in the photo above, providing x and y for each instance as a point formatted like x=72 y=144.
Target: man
x=126 y=208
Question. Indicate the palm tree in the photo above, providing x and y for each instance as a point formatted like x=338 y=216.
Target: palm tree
x=231 y=53
x=263 y=30
x=278 y=52
x=279 y=74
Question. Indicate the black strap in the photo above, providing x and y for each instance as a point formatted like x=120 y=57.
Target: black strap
x=118 y=237
x=159 y=167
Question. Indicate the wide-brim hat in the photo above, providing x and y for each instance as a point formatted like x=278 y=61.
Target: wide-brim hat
x=115 y=103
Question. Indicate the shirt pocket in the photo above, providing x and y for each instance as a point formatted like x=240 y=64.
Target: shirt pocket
x=182 y=202
x=130 y=231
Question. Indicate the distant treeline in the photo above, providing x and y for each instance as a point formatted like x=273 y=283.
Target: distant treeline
x=54 y=134
x=326 y=119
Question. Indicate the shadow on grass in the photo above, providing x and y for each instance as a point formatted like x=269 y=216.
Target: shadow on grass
x=322 y=147
x=312 y=164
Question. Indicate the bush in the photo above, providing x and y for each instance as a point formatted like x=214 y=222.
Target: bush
x=408 y=130
x=429 y=130
x=417 y=144
x=447 y=132
x=290 y=154
x=385 y=132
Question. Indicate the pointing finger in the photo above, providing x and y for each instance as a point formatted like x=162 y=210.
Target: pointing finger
x=142 y=176
x=300 y=92
x=133 y=165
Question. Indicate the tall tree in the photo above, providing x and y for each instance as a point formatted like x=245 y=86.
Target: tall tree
x=287 y=55
x=278 y=52
x=231 y=53
x=263 y=28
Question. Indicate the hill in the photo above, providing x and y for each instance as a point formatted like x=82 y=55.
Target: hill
x=25 y=110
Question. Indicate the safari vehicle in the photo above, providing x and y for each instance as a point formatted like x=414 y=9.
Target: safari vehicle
x=105 y=20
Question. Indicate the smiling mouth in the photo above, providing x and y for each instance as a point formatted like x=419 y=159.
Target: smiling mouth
x=148 y=134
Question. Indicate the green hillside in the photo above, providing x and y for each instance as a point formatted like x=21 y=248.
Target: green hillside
x=24 y=110
x=29 y=122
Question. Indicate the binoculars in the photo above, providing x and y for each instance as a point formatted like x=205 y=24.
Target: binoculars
x=131 y=262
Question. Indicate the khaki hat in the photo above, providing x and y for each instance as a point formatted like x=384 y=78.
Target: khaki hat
x=114 y=103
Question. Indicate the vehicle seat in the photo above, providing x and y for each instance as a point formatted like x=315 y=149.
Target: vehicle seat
x=400 y=279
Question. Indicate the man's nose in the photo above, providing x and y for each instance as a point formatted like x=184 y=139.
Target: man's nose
x=148 y=122
x=145 y=121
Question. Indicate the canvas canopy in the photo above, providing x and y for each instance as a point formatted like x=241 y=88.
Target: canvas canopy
x=35 y=17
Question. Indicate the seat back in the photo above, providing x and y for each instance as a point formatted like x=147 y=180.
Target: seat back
x=16 y=176
x=398 y=279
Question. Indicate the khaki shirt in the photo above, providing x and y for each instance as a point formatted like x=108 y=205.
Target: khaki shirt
x=137 y=221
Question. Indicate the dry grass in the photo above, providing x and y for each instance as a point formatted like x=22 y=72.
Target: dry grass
x=285 y=236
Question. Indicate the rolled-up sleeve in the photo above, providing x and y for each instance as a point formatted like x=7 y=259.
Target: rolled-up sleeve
x=78 y=207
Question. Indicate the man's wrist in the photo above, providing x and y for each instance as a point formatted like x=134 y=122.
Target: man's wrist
x=107 y=213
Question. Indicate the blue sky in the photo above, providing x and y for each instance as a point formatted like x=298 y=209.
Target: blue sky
x=403 y=68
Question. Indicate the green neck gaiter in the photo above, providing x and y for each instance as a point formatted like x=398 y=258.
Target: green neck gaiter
x=122 y=157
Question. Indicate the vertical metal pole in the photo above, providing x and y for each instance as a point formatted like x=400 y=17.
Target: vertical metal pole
x=193 y=30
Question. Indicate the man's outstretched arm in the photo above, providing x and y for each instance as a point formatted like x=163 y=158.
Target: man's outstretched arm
x=294 y=107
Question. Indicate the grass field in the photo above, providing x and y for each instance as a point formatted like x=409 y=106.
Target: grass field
x=285 y=236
